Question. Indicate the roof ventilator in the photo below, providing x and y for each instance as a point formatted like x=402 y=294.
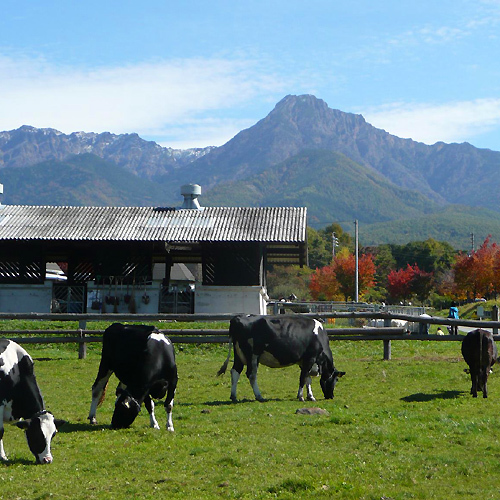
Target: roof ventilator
x=191 y=193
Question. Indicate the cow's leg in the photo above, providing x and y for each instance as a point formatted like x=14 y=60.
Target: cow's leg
x=307 y=383
x=305 y=379
x=235 y=376
x=98 y=392
x=169 y=402
x=168 y=408
x=484 y=376
x=252 y=377
x=3 y=456
x=474 y=377
x=150 y=406
x=310 y=396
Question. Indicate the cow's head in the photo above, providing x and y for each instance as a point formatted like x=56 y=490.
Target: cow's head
x=328 y=383
x=39 y=430
x=126 y=409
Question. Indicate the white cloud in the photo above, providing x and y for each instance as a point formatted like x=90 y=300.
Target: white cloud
x=428 y=123
x=150 y=98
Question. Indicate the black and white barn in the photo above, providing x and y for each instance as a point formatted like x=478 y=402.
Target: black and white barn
x=110 y=256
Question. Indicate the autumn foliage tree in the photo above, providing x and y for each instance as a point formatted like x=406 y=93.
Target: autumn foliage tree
x=399 y=283
x=403 y=283
x=475 y=272
x=338 y=279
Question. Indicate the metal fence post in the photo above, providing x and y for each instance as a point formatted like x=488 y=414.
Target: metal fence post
x=82 y=346
x=387 y=343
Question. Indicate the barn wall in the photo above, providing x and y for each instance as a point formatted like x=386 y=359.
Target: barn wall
x=230 y=299
x=26 y=298
x=131 y=299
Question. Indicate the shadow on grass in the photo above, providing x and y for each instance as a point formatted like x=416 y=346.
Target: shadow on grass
x=17 y=461
x=82 y=427
x=228 y=402
x=47 y=359
x=421 y=397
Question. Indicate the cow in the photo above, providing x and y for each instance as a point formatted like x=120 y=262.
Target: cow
x=143 y=360
x=20 y=398
x=279 y=341
x=480 y=353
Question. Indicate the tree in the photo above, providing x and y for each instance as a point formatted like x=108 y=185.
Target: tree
x=429 y=255
x=283 y=281
x=338 y=278
x=317 y=248
x=475 y=272
x=399 y=283
x=320 y=245
x=323 y=284
x=422 y=284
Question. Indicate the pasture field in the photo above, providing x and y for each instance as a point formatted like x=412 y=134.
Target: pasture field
x=401 y=429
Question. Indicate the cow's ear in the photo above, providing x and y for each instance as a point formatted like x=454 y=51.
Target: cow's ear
x=23 y=424
x=59 y=423
x=466 y=370
x=340 y=374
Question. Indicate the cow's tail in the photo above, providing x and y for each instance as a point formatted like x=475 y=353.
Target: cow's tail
x=223 y=368
x=103 y=395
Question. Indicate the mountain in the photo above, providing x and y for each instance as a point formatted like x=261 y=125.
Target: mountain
x=79 y=180
x=454 y=224
x=301 y=153
x=446 y=173
x=332 y=186
x=28 y=146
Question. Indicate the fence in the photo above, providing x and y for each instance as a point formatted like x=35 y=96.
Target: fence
x=82 y=336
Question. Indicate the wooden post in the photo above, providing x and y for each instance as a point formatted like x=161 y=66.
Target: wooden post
x=82 y=346
x=387 y=343
x=494 y=317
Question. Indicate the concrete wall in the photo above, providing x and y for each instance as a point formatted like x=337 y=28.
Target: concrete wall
x=230 y=299
x=26 y=298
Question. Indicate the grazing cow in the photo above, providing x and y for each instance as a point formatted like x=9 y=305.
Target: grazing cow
x=279 y=341
x=20 y=397
x=480 y=353
x=143 y=360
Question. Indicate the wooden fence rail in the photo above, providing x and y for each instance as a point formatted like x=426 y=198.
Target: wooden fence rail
x=82 y=336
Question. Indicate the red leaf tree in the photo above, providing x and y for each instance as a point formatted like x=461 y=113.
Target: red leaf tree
x=475 y=272
x=339 y=278
x=399 y=283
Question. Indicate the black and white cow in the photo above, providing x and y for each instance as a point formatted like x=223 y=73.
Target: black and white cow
x=20 y=398
x=279 y=341
x=480 y=353
x=143 y=360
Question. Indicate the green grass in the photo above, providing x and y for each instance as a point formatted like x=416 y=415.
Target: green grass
x=401 y=429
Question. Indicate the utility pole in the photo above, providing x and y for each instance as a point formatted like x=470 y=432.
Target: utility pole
x=335 y=243
x=356 y=251
x=472 y=242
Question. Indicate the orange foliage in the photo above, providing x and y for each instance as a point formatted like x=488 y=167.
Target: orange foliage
x=337 y=280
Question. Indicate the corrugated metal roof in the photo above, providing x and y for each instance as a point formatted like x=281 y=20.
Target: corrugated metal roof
x=210 y=224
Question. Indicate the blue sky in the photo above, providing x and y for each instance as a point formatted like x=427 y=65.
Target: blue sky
x=195 y=73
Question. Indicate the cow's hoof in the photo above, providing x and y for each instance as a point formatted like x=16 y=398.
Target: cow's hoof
x=170 y=429
x=261 y=400
x=234 y=400
x=92 y=420
x=312 y=398
x=3 y=458
x=301 y=399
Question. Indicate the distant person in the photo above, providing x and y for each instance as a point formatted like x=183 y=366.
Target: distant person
x=453 y=314
x=439 y=331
